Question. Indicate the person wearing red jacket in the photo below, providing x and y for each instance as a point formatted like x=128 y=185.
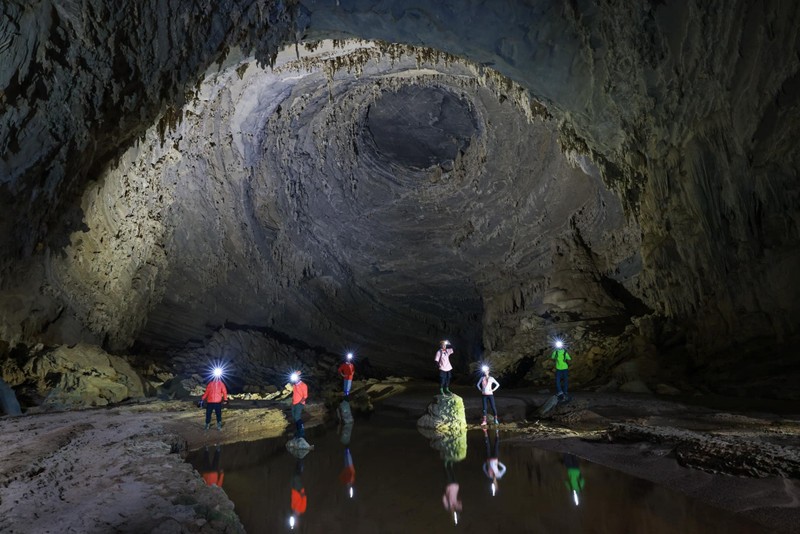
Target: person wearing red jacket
x=299 y=397
x=346 y=371
x=216 y=393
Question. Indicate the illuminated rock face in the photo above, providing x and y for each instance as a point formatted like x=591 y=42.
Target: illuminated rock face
x=622 y=176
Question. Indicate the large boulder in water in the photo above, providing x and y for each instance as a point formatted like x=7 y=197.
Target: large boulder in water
x=445 y=415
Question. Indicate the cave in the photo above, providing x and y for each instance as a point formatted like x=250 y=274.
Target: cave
x=267 y=185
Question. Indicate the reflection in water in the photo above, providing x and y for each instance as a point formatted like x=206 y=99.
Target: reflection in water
x=348 y=475
x=299 y=499
x=452 y=449
x=493 y=467
x=575 y=482
x=401 y=484
x=211 y=471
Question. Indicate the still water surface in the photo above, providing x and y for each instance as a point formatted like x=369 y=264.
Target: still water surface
x=387 y=477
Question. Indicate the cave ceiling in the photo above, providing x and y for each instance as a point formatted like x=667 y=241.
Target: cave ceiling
x=380 y=175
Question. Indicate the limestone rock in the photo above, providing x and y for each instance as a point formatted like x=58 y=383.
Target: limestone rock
x=8 y=400
x=635 y=386
x=445 y=415
x=299 y=447
x=83 y=376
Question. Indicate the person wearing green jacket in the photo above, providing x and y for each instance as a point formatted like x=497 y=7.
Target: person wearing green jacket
x=561 y=357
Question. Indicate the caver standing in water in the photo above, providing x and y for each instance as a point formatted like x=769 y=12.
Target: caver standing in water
x=346 y=371
x=487 y=385
x=445 y=367
x=299 y=397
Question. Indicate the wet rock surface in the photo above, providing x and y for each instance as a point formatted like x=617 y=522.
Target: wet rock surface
x=445 y=415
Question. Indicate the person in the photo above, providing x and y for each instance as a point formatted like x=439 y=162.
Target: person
x=213 y=473
x=299 y=397
x=487 y=385
x=216 y=393
x=346 y=371
x=493 y=467
x=575 y=481
x=561 y=357
x=445 y=367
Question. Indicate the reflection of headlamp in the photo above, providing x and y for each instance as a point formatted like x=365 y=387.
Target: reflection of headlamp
x=494 y=489
x=575 y=497
x=455 y=517
x=352 y=492
x=485 y=368
x=292 y=522
x=294 y=377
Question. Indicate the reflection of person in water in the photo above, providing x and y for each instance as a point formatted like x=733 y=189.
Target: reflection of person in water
x=450 y=498
x=493 y=467
x=299 y=500
x=212 y=472
x=575 y=481
x=348 y=474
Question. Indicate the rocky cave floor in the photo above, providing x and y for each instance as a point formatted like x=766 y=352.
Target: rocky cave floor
x=122 y=468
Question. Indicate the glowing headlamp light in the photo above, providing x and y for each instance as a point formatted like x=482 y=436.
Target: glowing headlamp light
x=575 y=497
x=291 y=522
x=217 y=372
x=349 y=355
x=485 y=368
x=294 y=377
x=559 y=344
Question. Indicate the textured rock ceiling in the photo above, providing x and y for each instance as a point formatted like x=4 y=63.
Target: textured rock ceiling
x=523 y=167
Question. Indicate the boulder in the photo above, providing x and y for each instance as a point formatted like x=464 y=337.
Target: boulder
x=666 y=389
x=8 y=400
x=299 y=447
x=82 y=376
x=344 y=413
x=445 y=415
x=635 y=386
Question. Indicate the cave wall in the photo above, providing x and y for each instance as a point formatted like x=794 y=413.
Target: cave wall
x=686 y=111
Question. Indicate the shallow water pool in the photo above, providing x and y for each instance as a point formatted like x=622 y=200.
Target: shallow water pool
x=382 y=475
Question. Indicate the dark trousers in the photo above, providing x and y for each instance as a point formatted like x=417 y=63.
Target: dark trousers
x=444 y=378
x=297 y=415
x=486 y=400
x=216 y=407
x=562 y=376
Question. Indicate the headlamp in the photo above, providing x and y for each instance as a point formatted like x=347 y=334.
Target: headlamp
x=559 y=344
x=485 y=368
x=349 y=355
x=294 y=377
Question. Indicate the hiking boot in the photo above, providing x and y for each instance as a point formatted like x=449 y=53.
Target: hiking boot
x=441 y=391
x=207 y=425
x=447 y=391
x=219 y=426
x=496 y=421
x=483 y=422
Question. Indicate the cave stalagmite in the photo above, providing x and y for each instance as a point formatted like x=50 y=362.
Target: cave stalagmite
x=278 y=181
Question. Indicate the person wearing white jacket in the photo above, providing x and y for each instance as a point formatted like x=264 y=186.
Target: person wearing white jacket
x=487 y=385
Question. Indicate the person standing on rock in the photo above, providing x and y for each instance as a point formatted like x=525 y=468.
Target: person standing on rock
x=299 y=397
x=487 y=385
x=445 y=367
x=216 y=393
x=346 y=371
x=561 y=357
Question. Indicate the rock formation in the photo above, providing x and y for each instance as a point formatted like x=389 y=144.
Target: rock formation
x=445 y=415
x=285 y=180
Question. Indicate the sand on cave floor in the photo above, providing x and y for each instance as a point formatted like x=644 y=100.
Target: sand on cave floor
x=121 y=469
